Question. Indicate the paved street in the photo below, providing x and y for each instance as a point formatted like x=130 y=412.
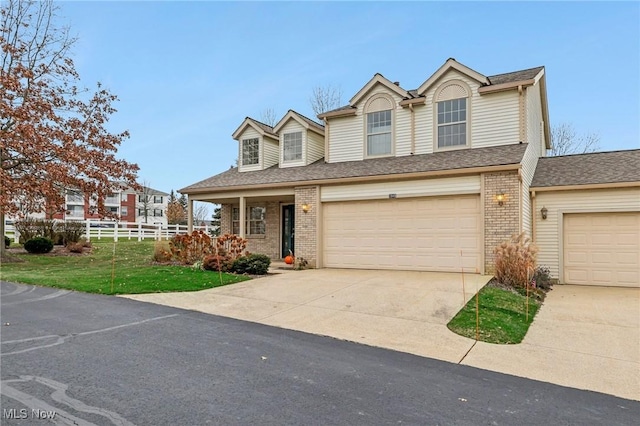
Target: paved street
x=88 y=359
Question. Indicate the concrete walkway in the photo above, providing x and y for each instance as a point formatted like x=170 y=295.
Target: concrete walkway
x=595 y=347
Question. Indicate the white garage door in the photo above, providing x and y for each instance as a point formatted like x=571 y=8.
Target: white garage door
x=602 y=249
x=423 y=234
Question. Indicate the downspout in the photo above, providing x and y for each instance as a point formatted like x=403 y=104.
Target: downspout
x=534 y=216
x=413 y=130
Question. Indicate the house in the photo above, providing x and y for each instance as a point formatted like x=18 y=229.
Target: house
x=431 y=179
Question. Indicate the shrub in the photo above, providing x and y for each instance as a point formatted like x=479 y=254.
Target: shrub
x=191 y=248
x=542 y=278
x=515 y=261
x=75 y=247
x=161 y=252
x=86 y=244
x=70 y=232
x=30 y=228
x=217 y=262
x=7 y=242
x=254 y=264
x=231 y=244
x=38 y=245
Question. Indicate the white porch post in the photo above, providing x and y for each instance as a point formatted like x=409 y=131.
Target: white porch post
x=242 y=207
x=190 y=216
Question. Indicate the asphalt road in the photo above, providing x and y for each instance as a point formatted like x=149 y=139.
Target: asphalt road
x=73 y=358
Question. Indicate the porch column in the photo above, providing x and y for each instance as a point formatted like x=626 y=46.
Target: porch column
x=190 y=215
x=242 y=207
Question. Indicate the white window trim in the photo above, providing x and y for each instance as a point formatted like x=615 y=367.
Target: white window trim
x=284 y=147
x=247 y=220
x=242 y=142
x=435 y=102
x=366 y=112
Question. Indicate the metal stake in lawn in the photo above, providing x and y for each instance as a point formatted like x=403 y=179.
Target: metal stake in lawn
x=113 y=265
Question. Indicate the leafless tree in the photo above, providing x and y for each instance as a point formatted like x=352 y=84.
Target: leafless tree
x=200 y=213
x=269 y=117
x=145 y=201
x=565 y=140
x=325 y=98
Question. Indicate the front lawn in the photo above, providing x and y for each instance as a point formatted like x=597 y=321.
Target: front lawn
x=133 y=270
x=502 y=315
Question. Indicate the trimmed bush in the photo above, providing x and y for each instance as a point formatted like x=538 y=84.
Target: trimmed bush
x=7 y=242
x=75 y=247
x=542 y=278
x=30 y=228
x=39 y=245
x=254 y=264
x=217 y=262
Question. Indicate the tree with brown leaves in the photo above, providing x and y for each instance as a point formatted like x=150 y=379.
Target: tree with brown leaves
x=52 y=131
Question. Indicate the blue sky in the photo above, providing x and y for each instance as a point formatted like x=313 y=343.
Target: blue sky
x=187 y=73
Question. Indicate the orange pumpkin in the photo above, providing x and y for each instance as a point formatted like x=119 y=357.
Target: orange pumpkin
x=288 y=260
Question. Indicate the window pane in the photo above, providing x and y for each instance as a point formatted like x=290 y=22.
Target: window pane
x=250 y=151
x=379 y=144
x=292 y=146
x=379 y=133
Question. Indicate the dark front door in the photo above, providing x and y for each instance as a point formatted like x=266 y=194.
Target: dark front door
x=288 y=231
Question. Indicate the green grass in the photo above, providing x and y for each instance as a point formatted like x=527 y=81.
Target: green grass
x=91 y=273
x=502 y=315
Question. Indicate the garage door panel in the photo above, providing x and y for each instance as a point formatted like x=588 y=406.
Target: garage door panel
x=415 y=234
x=602 y=249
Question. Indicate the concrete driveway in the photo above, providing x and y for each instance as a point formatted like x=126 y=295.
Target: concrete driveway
x=583 y=337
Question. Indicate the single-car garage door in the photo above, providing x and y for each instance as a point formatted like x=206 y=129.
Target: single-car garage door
x=602 y=249
x=422 y=234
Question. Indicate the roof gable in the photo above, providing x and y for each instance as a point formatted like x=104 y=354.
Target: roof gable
x=446 y=67
x=305 y=122
x=261 y=128
x=378 y=79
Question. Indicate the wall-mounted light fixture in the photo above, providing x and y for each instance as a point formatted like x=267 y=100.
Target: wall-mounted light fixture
x=543 y=212
x=500 y=197
x=306 y=207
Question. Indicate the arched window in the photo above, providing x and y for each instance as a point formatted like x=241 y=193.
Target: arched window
x=379 y=126
x=452 y=115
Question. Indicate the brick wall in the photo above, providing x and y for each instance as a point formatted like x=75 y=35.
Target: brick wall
x=269 y=243
x=500 y=222
x=306 y=224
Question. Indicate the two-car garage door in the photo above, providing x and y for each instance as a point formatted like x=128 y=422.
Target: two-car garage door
x=423 y=234
x=602 y=249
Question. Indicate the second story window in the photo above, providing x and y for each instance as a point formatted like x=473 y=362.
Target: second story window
x=157 y=199
x=379 y=133
x=250 y=151
x=292 y=146
x=452 y=123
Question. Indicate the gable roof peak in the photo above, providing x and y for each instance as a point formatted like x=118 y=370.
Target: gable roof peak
x=450 y=64
x=263 y=129
x=303 y=120
x=378 y=79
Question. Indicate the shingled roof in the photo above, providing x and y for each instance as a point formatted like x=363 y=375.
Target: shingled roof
x=588 y=169
x=509 y=77
x=383 y=167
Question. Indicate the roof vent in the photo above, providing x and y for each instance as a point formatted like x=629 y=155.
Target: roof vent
x=397 y=83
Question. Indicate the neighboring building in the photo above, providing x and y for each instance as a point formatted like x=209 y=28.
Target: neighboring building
x=127 y=204
x=429 y=179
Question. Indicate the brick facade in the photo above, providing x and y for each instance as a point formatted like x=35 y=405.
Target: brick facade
x=269 y=243
x=500 y=222
x=307 y=224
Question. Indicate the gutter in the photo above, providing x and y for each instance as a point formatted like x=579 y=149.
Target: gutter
x=505 y=86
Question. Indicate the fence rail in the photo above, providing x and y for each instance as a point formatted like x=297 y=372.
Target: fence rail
x=98 y=229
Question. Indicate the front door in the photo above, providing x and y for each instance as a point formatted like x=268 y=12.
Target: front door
x=288 y=231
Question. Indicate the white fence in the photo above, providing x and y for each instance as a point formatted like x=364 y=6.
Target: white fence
x=97 y=229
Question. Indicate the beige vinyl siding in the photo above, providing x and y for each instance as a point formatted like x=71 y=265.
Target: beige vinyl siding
x=250 y=133
x=315 y=147
x=529 y=163
x=346 y=139
x=535 y=135
x=495 y=119
x=402 y=130
x=293 y=126
x=402 y=189
x=270 y=152
x=549 y=232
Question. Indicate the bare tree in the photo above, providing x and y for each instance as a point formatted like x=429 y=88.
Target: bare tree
x=200 y=213
x=325 y=98
x=565 y=140
x=269 y=117
x=145 y=201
